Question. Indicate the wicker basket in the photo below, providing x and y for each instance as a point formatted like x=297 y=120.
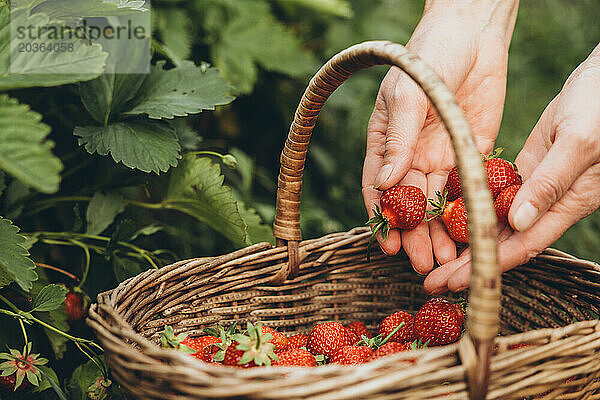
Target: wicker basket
x=550 y=303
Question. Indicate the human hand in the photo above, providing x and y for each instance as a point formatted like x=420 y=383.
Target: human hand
x=560 y=164
x=466 y=43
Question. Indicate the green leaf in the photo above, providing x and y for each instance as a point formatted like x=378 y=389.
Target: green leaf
x=125 y=268
x=243 y=44
x=339 y=8
x=146 y=231
x=57 y=318
x=102 y=210
x=63 y=9
x=180 y=91
x=50 y=298
x=24 y=152
x=149 y=146
x=196 y=188
x=49 y=68
x=175 y=30
x=14 y=261
x=84 y=376
x=188 y=138
x=256 y=230
x=106 y=95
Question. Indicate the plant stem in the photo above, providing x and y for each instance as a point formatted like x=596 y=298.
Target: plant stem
x=24 y=334
x=86 y=267
x=59 y=270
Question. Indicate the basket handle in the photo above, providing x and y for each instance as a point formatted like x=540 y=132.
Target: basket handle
x=484 y=299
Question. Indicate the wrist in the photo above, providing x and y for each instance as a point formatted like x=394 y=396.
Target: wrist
x=476 y=14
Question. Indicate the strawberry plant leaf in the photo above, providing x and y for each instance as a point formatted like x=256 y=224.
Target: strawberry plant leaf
x=242 y=46
x=25 y=153
x=180 y=91
x=102 y=210
x=149 y=146
x=44 y=68
x=14 y=261
x=106 y=95
x=196 y=188
x=50 y=298
x=57 y=318
x=256 y=230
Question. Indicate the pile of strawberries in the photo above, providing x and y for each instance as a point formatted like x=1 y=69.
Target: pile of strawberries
x=403 y=206
x=438 y=322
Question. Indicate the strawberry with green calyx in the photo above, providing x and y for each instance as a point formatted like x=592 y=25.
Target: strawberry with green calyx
x=77 y=303
x=381 y=339
x=251 y=349
x=402 y=207
x=501 y=173
x=99 y=390
x=21 y=365
x=454 y=216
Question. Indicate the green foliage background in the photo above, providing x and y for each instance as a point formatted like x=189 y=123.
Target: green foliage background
x=109 y=175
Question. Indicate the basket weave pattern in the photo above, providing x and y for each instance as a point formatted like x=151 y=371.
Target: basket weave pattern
x=301 y=282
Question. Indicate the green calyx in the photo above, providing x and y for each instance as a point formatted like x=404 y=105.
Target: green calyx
x=226 y=337
x=495 y=154
x=378 y=223
x=22 y=364
x=256 y=346
x=438 y=206
x=169 y=340
x=379 y=340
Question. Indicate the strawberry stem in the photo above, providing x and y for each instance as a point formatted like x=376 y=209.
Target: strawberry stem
x=438 y=206
x=495 y=154
x=392 y=333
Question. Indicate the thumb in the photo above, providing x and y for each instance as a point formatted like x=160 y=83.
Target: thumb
x=548 y=182
x=407 y=110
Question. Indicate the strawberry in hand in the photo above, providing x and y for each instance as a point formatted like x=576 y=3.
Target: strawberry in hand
x=402 y=207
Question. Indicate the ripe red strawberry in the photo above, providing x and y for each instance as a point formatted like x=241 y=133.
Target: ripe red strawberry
x=453 y=185
x=354 y=338
x=438 y=322
x=359 y=328
x=402 y=207
x=204 y=346
x=454 y=216
x=297 y=341
x=349 y=355
x=390 y=348
x=504 y=201
x=251 y=349
x=279 y=340
x=296 y=358
x=327 y=338
x=404 y=334
x=76 y=306
x=501 y=174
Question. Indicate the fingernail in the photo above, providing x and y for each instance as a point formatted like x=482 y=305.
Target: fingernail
x=383 y=175
x=525 y=216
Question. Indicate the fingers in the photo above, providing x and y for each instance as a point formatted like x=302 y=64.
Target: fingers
x=554 y=175
x=416 y=242
x=444 y=248
x=407 y=111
